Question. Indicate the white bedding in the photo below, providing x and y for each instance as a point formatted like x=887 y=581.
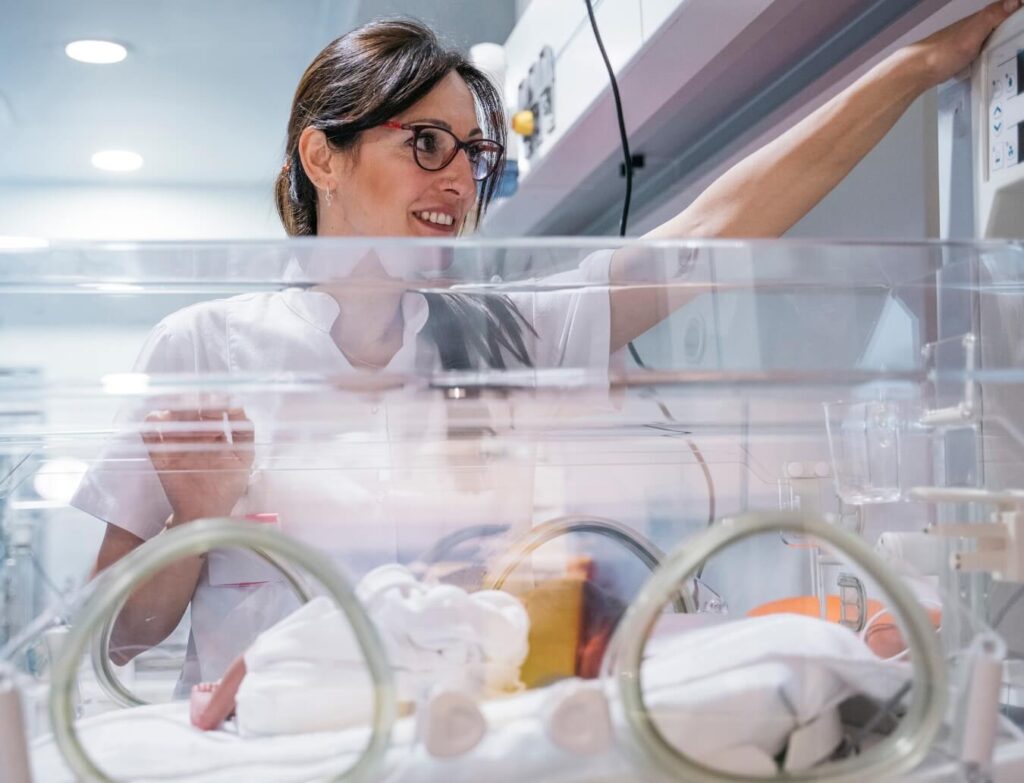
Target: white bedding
x=157 y=743
x=730 y=692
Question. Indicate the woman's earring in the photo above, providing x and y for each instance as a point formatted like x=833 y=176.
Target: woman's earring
x=329 y=196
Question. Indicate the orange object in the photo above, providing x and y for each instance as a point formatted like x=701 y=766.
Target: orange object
x=882 y=634
x=808 y=606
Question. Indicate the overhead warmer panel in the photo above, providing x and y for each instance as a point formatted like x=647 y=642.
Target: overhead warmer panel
x=699 y=80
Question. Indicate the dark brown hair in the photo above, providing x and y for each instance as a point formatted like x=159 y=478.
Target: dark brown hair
x=363 y=79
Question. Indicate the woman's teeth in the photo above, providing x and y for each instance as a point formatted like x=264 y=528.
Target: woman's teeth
x=439 y=218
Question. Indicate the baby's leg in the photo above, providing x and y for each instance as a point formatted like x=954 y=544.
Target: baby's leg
x=212 y=703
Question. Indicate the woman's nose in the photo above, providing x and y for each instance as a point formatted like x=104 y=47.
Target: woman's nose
x=460 y=175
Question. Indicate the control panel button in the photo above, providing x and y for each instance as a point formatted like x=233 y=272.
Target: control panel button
x=1010 y=80
x=1010 y=154
x=997 y=119
x=997 y=156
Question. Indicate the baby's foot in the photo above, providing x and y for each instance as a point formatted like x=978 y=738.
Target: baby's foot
x=212 y=703
x=204 y=710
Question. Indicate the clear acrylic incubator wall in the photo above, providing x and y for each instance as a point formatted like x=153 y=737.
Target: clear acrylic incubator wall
x=562 y=510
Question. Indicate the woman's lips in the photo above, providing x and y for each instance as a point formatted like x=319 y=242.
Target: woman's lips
x=435 y=227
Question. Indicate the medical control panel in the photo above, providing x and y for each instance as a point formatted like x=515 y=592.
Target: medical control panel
x=1006 y=105
x=535 y=111
x=997 y=97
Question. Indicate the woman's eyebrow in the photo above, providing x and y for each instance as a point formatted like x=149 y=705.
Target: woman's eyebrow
x=443 y=124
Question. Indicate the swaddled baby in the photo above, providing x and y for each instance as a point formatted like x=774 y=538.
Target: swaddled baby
x=307 y=673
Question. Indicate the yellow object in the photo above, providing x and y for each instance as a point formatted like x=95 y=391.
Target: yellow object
x=524 y=123
x=554 y=608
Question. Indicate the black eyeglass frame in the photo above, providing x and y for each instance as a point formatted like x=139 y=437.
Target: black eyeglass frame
x=418 y=128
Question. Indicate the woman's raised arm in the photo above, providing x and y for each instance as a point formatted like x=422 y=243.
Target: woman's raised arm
x=765 y=194
x=769 y=191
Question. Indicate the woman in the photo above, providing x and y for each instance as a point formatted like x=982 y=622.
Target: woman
x=384 y=140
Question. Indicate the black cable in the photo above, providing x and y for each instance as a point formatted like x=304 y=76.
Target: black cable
x=628 y=168
x=693 y=447
x=628 y=159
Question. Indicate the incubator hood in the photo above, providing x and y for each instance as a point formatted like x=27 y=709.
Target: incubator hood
x=775 y=535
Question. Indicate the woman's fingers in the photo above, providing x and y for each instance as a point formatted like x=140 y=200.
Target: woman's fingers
x=990 y=17
x=152 y=427
x=994 y=15
x=216 y=441
x=242 y=428
x=206 y=426
x=949 y=51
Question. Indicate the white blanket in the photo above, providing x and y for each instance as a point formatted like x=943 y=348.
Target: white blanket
x=733 y=691
x=307 y=673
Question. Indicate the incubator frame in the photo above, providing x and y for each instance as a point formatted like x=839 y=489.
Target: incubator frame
x=901 y=752
x=101 y=663
x=115 y=585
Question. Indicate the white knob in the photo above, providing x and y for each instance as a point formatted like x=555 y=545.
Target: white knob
x=577 y=718
x=451 y=724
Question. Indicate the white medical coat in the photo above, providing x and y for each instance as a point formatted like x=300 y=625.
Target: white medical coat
x=369 y=502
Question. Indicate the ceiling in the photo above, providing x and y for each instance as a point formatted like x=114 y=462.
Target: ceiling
x=204 y=94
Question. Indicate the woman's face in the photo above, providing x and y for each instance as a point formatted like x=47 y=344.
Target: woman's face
x=383 y=192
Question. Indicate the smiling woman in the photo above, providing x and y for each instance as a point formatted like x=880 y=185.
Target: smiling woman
x=377 y=124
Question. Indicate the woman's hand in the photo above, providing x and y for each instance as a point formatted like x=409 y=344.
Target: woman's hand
x=203 y=459
x=944 y=54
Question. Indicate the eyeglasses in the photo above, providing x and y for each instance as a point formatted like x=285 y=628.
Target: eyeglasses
x=434 y=147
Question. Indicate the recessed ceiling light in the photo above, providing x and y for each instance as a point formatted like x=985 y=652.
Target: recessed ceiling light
x=117 y=160
x=98 y=52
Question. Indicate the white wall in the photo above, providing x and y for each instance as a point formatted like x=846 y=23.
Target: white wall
x=130 y=213
x=893 y=193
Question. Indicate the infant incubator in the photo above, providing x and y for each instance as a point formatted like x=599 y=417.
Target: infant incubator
x=774 y=531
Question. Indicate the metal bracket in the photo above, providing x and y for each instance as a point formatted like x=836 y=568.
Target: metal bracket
x=1000 y=541
x=852 y=602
